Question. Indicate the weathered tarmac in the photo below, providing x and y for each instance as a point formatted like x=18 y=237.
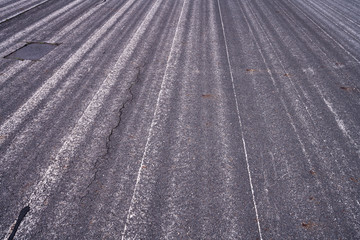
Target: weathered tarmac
x=185 y=119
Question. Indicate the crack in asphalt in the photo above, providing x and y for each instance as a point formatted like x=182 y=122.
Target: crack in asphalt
x=120 y=112
x=108 y=138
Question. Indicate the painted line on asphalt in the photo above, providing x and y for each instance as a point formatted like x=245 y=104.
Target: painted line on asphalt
x=240 y=124
x=333 y=22
x=130 y=214
x=339 y=121
x=25 y=10
x=341 y=125
x=326 y=33
x=14 y=4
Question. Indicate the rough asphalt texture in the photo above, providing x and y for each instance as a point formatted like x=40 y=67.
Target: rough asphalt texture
x=186 y=119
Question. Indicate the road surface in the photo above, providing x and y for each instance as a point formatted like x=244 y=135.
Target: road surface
x=182 y=119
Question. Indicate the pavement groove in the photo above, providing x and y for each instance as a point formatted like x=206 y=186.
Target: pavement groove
x=181 y=119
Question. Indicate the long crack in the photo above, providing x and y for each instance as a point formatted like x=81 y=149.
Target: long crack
x=108 y=138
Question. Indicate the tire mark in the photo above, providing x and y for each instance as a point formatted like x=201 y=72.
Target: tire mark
x=21 y=217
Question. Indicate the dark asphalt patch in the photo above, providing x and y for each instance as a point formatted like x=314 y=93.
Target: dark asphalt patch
x=32 y=51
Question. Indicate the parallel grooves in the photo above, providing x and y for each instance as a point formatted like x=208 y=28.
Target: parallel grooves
x=241 y=127
x=130 y=213
x=16 y=118
x=22 y=11
x=15 y=68
x=243 y=124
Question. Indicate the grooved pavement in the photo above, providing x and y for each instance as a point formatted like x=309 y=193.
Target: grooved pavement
x=182 y=119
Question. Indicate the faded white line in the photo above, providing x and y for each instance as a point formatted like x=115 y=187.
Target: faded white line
x=13 y=5
x=288 y=75
x=275 y=85
x=310 y=72
x=240 y=124
x=330 y=208
x=342 y=15
x=25 y=10
x=327 y=34
x=154 y=122
x=333 y=22
x=341 y=125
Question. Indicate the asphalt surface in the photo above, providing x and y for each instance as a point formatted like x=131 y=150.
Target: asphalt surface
x=186 y=119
